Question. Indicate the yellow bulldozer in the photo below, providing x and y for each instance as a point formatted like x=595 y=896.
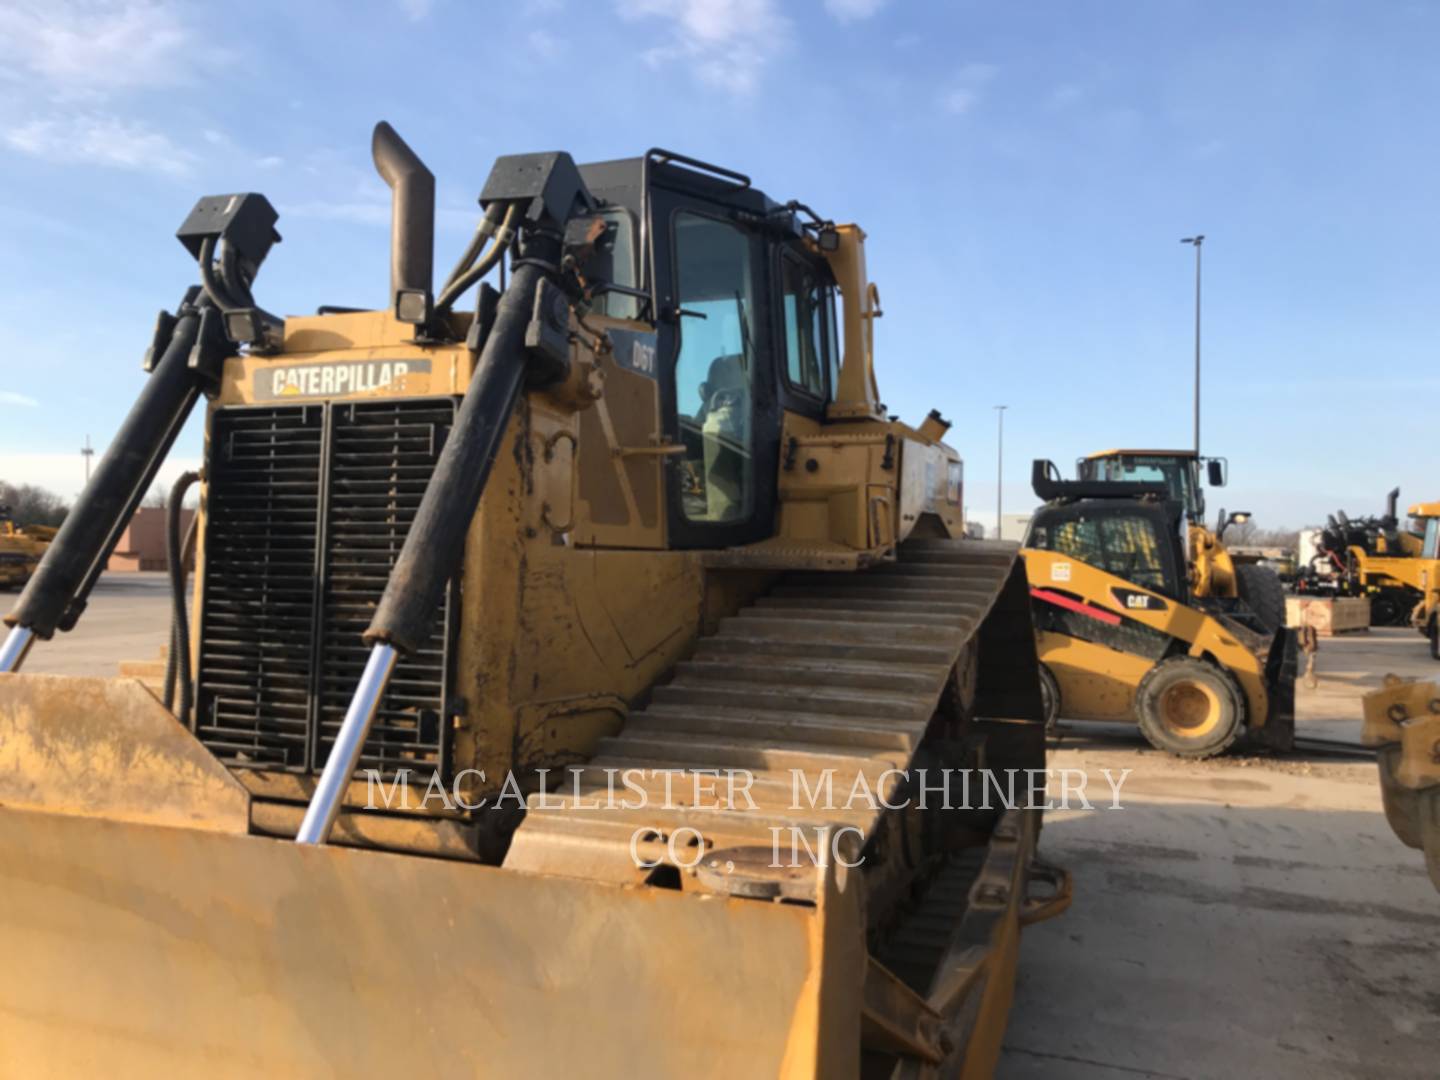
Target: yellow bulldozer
x=1122 y=636
x=582 y=681
x=1213 y=569
x=21 y=547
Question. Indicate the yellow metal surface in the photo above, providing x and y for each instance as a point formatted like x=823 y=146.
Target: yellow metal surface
x=1099 y=454
x=107 y=748
x=152 y=951
x=1096 y=682
x=858 y=395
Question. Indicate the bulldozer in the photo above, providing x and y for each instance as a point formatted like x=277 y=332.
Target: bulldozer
x=583 y=679
x=1394 y=568
x=1213 y=569
x=1123 y=638
x=21 y=547
x=1402 y=723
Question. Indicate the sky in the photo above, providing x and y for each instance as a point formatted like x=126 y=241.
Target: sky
x=1024 y=171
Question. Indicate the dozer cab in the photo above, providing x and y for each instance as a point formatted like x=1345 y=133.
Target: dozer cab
x=1123 y=638
x=21 y=547
x=1212 y=568
x=1395 y=568
x=1402 y=723
x=579 y=682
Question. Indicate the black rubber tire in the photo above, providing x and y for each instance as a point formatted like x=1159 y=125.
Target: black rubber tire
x=1049 y=700
x=1386 y=610
x=1260 y=588
x=1177 y=676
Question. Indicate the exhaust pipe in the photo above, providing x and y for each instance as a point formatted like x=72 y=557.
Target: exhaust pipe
x=412 y=224
x=1392 y=507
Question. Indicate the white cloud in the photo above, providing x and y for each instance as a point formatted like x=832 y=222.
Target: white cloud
x=97 y=139
x=81 y=48
x=9 y=397
x=726 y=43
x=416 y=10
x=850 y=10
x=964 y=92
x=270 y=161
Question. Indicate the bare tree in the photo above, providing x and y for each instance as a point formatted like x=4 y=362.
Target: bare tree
x=158 y=497
x=31 y=505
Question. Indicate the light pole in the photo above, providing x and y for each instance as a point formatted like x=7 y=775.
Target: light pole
x=999 y=470
x=1196 y=241
x=87 y=452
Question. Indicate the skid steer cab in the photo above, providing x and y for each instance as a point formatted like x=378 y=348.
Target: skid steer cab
x=1212 y=568
x=573 y=666
x=1122 y=637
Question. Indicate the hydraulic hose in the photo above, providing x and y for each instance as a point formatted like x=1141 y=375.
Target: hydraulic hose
x=178 y=663
x=458 y=286
x=486 y=229
x=55 y=596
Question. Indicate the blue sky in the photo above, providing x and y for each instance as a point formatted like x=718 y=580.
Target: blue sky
x=1024 y=170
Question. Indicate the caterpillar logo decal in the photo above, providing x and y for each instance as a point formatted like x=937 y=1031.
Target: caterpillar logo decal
x=1132 y=600
x=334 y=379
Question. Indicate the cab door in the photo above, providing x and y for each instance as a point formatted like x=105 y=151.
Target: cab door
x=718 y=379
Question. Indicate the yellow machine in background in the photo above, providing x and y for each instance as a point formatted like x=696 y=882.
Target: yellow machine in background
x=1402 y=722
x=1122 y=637
x=1373 y=557
x=566 y=636
x=1213 y=569
x=21 y=547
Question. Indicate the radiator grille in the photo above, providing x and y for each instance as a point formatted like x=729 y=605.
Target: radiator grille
x=308 y=509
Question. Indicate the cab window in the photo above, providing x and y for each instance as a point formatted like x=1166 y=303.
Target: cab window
x=1123 y=545
x=1431 y=547
x=715 y=368
x=805 y=311
x=605 y=245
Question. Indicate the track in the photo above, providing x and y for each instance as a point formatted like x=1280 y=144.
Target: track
x=828 y=671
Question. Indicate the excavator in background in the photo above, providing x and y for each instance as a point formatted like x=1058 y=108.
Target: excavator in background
x=1402 y=723
x=21 y=548
x=579 y=681
x=1397 y=569
x=1122 y=637
x=1213 y=569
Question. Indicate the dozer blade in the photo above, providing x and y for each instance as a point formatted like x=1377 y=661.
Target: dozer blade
x=147 y=935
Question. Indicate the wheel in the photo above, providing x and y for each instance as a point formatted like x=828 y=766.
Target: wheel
x=1188 y=708
x=1386 y=609
x=1260 y=588
x=1049 y=699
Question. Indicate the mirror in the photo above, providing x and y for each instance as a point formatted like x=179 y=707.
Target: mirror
x=1216 y=468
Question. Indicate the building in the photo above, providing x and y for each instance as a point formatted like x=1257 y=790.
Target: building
x=142 y=544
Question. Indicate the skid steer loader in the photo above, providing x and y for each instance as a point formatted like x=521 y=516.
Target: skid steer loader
x=580 y=682
x=1122 y=637
x=1213 y=569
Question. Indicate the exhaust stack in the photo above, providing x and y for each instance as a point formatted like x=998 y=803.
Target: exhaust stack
x=412 y=224
x=1392 y=508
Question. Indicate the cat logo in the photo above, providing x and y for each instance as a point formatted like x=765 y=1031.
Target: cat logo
x=1132 y=600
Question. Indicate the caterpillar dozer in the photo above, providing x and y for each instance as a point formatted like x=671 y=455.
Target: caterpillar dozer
x=1395 y=568
x=580 y=682
x=1213 y=569
x=1123 y=638
x=1402 y=723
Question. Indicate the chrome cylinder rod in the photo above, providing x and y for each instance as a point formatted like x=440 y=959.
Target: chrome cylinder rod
x=17 y=644
x=324 y=806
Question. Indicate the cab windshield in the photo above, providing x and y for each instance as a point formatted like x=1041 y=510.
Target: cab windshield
x=1431 y=547
x=1179 y=474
